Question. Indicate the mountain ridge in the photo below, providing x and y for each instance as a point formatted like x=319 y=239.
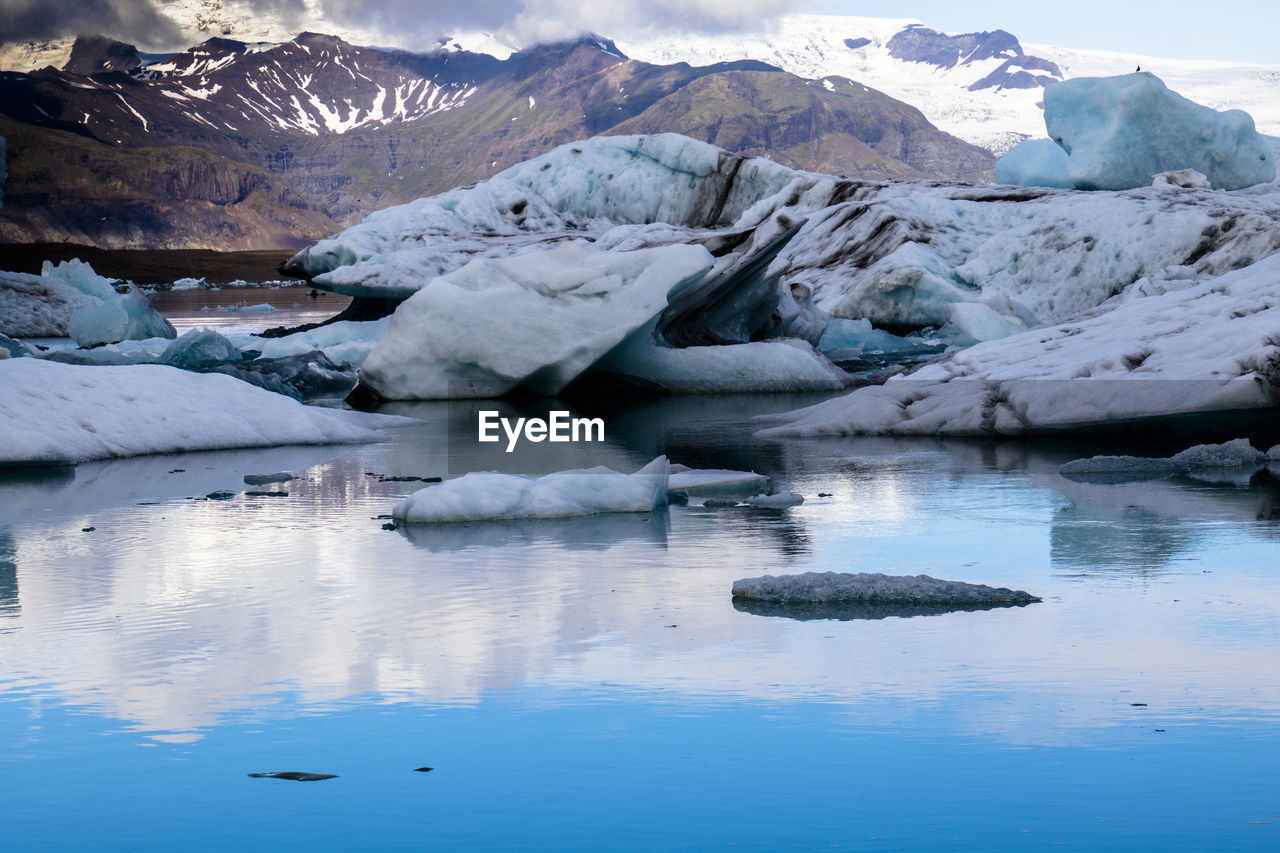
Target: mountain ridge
x=329 y=131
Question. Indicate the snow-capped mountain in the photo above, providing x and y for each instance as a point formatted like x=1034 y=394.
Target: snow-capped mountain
x=982 y=87
x=234 y=144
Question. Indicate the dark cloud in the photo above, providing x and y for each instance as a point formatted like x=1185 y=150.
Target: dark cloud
x=144 y=23
x=137 y=21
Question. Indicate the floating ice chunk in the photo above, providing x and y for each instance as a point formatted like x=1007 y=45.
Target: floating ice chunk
x=710 y=481
x=874 y=587
x=1238 y=453
x=200 y=349
x=263 y=479
x=121 y=317
x=59 y=414
x=188 y=284
x=1034 y=163
x=533 y=322
x=782 y=500
x=80 y=276
x=1273 y=455
x=244 y=307
x=1232 y=454
x=1121 y=131
x=490 y=495
x=9 y=348
x=1187 y=179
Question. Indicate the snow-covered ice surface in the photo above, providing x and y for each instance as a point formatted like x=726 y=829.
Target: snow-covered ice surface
x=1211 y=348
x=868 y=587
x=492 y=495
x=1119 y=132
x=54 y=414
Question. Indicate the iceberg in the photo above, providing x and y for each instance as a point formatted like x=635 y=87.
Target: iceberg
x=1208 y=349
x=58 y=414
x=782 y=500
x=491 y=495
x=1034 y=163
x=531 y=323
x=33 y=306
x=106 y=317
x=873 y=588
x=1118 y=132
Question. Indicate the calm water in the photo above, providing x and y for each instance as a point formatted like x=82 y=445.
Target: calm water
x=590 y=685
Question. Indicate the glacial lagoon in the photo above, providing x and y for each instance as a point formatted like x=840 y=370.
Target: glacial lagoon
x=591 y=684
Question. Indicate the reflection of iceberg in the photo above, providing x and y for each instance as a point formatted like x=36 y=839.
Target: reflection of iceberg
x=846 y=611
x=10 y=604
x=588 y=532
x=95 y=486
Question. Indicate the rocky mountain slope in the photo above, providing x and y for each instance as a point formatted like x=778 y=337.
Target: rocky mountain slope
x=255 y=145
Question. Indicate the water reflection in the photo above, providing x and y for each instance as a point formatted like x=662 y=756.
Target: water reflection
x=10 y=605
x=592 y=532
x=179 y=611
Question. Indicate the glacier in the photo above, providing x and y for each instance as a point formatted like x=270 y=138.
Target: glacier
x=61 y=414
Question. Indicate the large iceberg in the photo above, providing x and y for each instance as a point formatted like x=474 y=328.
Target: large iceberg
x=54 y=414
x=1208 y=349
x=1115 y=133
x=491 y=495
x=899 y=255
x=531 y=323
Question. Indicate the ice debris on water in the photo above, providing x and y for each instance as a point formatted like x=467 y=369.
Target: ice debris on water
x=874 y=588
x=710 y=481
x=782 y=500
x=491 y=495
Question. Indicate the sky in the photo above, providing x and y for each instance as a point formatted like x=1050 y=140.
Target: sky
x=1240 y=30
x=1243 y=30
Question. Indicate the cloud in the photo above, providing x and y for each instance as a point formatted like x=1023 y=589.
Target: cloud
x=138 y=21
x=527 y=21
x=144 y=22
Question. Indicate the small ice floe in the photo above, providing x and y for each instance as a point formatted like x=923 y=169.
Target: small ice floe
x=245 y=307
x=710 y=481
x=782 y=500
x=263 y=479
x=874 y=588
x=1236 y=454
x=491 y=495
x=295 y=776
